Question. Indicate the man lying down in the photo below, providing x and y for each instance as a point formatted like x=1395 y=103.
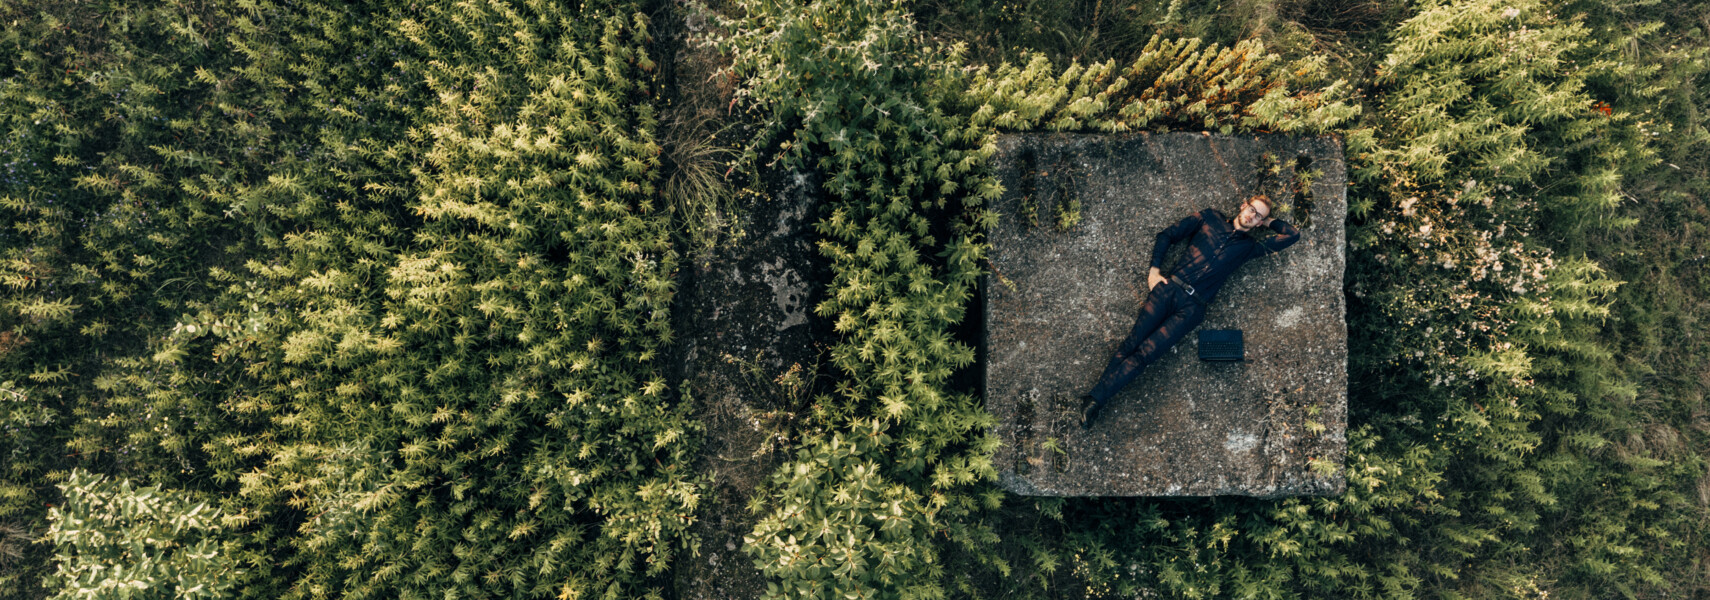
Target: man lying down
x=1176 y=304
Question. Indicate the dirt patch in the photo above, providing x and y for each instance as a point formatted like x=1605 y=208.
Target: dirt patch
x=752 y=354
x=749 y=349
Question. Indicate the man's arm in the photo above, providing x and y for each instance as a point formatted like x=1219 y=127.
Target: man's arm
x=1175 y=233
x=1287 y=235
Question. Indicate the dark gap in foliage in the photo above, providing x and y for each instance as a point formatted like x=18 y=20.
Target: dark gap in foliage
x=1302 y=200
x=1028 y=164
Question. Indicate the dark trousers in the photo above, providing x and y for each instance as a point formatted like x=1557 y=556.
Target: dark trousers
x=1167 y=316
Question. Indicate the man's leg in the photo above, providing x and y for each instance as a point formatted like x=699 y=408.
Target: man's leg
x=1176 y=326
x=1160 y=303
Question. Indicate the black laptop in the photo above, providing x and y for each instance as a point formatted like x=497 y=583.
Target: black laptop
x=1222 y=345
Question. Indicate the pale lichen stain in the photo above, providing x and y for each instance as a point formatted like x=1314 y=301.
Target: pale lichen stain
x=788 y=292
x=1240 y=441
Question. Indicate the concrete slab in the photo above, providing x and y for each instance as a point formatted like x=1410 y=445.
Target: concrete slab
x=1060 y=301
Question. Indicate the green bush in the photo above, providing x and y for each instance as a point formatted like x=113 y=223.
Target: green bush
x=470 y=362
x=1493 y=162
x=123 y=136
x=1173 y=84
x=119 y=541
x=847 y=87
x=386 y=282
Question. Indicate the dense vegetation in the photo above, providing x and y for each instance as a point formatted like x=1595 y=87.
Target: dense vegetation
x=369 y=300
x=384 y=284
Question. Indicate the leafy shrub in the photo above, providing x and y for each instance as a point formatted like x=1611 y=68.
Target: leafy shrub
x=407 y=323
x=481 y=373
x=848 y=90
x=1493 y=159
x=119 y=541
x=123 y=136
x=1173 y=84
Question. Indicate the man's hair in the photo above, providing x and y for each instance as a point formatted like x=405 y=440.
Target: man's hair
x=1269 y=205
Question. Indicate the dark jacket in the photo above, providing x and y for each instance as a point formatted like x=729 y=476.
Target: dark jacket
x=1217 y=249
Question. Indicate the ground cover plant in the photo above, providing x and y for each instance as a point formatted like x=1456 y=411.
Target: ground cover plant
x=386 y=283
x=858 y=510
x=369 y=299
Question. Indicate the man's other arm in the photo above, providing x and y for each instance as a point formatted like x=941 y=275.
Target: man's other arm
x=1175 y=233
x=1287 y=235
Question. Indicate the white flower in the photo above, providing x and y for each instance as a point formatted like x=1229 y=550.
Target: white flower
x=1510 y=13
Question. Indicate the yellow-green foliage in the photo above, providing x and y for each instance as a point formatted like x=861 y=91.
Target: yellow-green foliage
x=120 y=541
x=388 y=282
x=1173 y=84
x=1507 y=134
x=122 y=137
x=858 y=509
x=489 y=384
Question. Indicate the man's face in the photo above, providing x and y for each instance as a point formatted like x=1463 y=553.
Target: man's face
x=1252 y=215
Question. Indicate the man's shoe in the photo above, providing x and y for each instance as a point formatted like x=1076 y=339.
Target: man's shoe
x=1089 y=411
